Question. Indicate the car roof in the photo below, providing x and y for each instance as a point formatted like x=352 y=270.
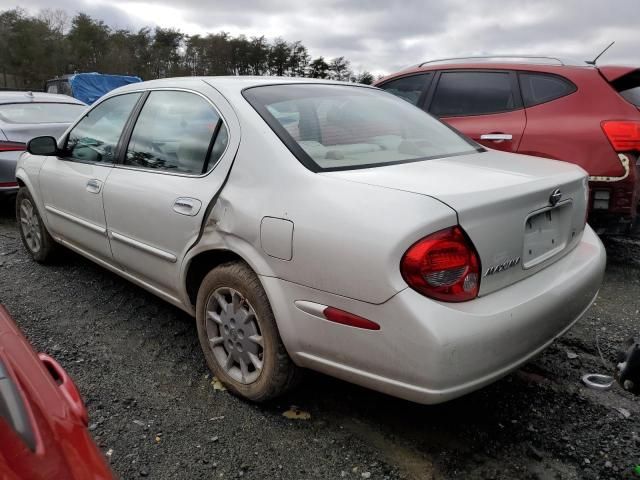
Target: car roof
x=36 y=97
x=499 y=62
x=509 y=59
x=228 y=84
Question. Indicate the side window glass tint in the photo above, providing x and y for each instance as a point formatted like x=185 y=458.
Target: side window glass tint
x=473 y=93
x=95 y=137
x=174 y=133
x=409 y=88
x=540 y=88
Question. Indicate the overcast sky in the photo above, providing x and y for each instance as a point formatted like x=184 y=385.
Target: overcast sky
x=385 y=35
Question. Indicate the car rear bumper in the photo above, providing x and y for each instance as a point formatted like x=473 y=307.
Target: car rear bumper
x=8 y=182
x=430 y=352
x=8 y=191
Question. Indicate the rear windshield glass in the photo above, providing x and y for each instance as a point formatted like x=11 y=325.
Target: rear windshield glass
x=339 y=127
x=40 y=112
x=628 y=87
x=632 y=95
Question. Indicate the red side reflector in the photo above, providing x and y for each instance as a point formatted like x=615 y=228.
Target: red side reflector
x=624 y=136
x=12 y=147
x=346 y=318
x=8 y=184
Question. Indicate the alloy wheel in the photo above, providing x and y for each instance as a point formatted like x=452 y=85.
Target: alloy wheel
x=30 y=225
x=234 y=335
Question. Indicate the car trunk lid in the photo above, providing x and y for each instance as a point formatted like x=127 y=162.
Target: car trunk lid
x=503 y=202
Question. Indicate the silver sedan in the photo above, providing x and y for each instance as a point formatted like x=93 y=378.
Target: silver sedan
x=24 y=115
x=320 y=225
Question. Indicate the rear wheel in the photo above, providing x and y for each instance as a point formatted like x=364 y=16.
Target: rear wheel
x=239 y=336
x=35 y=237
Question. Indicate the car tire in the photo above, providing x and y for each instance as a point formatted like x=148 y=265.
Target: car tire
x=236 y=326
x=35 y=237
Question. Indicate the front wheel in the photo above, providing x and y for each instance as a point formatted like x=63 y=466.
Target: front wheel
x=34 y=234
x=239 y=336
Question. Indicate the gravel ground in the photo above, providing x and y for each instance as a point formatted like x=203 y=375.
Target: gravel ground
x=155 y=413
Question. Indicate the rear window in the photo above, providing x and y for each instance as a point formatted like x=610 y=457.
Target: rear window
x=539 y=88
x=336 y=127
x=40 y=112
x=629 y=87
x=473 y=93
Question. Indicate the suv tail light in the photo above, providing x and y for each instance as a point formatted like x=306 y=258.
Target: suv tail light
x=444 y=266
x=624 y=136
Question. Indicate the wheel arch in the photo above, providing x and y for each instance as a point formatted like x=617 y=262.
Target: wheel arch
x=202 y=263
x=24 y=181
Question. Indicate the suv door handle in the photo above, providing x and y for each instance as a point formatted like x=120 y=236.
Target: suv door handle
x=187 y=206
x=496 y=137
x=94 y=185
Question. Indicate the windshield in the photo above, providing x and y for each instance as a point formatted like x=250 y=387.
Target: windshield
x=340 y=127
x=40 y=112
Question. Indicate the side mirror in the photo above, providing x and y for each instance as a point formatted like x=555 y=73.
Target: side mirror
x=42 y=146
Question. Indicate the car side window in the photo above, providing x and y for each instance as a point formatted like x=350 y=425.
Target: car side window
x=95 y=137
x=539 y=88
x=409 y=88
x=177 y=132
x=473 y=93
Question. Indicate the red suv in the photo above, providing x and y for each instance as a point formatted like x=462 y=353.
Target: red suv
x=543 y=106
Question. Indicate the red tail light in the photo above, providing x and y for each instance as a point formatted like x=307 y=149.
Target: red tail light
x=444 y=266
x=624 y=136
x=12 y=146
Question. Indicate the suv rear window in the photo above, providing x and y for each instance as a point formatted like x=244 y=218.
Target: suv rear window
x=628 y=87
x=473 y=93
x=539 y=88
x=336 y=127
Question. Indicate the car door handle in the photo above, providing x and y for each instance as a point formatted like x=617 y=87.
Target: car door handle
x=497 y=137
x=94 y=185
x=187 y=206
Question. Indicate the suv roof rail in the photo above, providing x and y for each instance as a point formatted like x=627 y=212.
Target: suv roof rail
x=544 y=60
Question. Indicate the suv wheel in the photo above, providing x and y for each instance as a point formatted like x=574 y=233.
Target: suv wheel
x=35 y=237
x=239 y=336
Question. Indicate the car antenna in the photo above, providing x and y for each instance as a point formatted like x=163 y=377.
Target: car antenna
x=593 y=62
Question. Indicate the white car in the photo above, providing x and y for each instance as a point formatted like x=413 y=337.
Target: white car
x=319 y=225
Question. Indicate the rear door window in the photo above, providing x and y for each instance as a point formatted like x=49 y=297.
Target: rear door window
x=473 y=93
x=409 y=88
x=539 y=88
x=177 y=132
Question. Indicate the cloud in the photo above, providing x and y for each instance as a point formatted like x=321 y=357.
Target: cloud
x=386 y=35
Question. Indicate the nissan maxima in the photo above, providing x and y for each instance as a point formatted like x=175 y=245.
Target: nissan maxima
x=319 y=225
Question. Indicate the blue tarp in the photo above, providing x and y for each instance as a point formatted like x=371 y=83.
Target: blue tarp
x=89 y=87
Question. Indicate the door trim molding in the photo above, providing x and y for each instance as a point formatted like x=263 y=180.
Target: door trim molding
x=74 y=219
x=143 y=246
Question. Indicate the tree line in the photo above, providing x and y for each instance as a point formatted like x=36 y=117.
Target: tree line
x=35 y=48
